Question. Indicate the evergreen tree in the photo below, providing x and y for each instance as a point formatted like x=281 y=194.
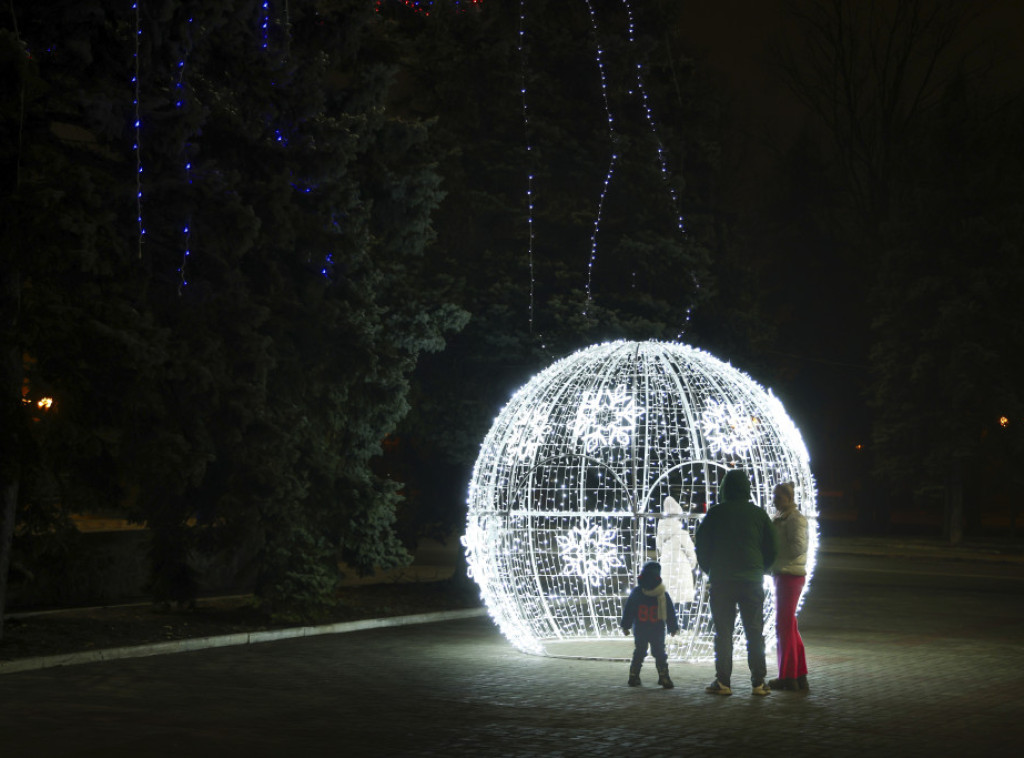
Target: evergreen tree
x=312 y=200
x=72 y=333
x=524 y=274
x=231 y=375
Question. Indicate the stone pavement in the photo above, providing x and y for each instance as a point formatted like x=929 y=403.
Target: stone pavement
x=908 y=657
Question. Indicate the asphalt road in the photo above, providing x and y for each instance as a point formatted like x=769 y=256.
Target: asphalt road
x=907 y=657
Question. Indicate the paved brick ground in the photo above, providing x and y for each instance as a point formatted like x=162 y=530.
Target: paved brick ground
x=906 y=658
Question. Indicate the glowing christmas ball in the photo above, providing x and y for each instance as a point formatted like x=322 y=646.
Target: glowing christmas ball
x=607 y=459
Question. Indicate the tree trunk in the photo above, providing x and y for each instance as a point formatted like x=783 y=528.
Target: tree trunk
x=7 y=512
x=955 y=504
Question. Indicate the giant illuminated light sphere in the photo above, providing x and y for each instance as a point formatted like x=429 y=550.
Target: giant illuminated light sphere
x=607 y=459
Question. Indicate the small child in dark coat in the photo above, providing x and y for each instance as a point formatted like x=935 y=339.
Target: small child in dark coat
x=649 y=611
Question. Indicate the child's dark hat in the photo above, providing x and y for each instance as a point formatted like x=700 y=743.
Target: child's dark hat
x=651 y=569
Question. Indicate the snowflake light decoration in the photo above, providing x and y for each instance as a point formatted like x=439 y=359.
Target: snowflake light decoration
x=527 y=437
x=605 y=418
x=590 y=553
x=728 y=431
x=571 y=483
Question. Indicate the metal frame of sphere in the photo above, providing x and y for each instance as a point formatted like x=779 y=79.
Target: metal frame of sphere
x=605 y=460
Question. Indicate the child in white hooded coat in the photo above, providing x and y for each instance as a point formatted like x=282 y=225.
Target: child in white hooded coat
x=677 y=555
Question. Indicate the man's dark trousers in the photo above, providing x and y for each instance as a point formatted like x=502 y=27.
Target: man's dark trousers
x=725 y=597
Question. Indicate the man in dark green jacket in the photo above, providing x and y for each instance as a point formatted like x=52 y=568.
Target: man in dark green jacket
x=736 y=548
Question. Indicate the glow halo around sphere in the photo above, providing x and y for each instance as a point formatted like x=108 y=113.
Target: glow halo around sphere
x=571 y=482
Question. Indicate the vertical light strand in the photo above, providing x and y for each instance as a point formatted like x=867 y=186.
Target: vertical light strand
x=180 y=103
x=136 y=86
x=265 y=23
x=613 y=137
x=529 y=160
x=662 y=159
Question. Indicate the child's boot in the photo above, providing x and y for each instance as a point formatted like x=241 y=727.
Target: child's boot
x=663 y=679
x=634 y=675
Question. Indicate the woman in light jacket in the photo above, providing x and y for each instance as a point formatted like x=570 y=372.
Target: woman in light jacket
x=790 y=573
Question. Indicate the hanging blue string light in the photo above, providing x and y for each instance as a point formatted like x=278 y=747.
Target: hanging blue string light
x=137 y=126
x=180 y=102
x=265 y=23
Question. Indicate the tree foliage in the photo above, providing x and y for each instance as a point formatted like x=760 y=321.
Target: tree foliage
x=925 y=171
x=231 y=377
x=520 y=108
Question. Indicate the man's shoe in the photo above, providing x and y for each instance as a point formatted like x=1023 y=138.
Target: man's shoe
x=717 y=688
x=761 y=689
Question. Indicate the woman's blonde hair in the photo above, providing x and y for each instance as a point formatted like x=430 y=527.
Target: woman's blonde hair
x=788 y=489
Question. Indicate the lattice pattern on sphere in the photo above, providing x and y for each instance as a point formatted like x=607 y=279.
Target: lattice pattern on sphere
x=568 y=498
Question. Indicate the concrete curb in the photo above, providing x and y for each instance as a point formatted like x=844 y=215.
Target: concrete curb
x=225 y=640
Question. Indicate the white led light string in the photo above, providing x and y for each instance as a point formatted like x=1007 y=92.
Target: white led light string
x=529 y=157
x=612 y=159
x=613 y=138
x=662 y=160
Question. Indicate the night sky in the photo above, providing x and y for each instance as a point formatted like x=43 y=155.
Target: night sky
x=736 y=38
